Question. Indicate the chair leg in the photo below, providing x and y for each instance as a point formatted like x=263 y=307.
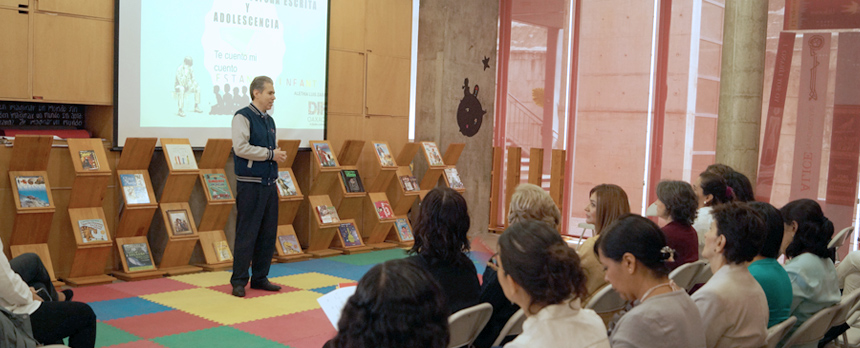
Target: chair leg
x=845 y=339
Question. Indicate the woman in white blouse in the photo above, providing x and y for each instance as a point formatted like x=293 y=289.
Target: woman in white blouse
x=540 y=273
x=711 y=189
x=732 y=303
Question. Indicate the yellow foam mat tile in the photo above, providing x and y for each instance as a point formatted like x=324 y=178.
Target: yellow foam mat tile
x=312 y=280
x=205 y=279
x=227 y=309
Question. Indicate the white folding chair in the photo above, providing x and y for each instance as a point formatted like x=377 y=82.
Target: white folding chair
x=814 y=328
x=584 y=226
x=514 y=326
x=839 y=239
x=606 y=300
x=851 y=337
x=777 y=332
x=467 y=323
x=685 y=275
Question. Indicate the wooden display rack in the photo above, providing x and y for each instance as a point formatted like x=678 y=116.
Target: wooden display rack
x=92 y=174
x=320 y=236
x=289 y=204
x=136 y=215
x=211 y=227
x=347 y=203
x=339 y=243
x=384 y=174
x=128 y=274
x=395 y=237
x=375 y=229
x=434 y=171
x=174 y=196
x=400 y=199
x=452 y=155
x=32 y=225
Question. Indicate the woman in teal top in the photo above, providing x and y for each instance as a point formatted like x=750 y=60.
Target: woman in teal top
x=767 y=270
x=813 y=277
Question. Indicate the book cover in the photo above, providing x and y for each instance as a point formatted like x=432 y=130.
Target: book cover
x=179 y=222
x=89 y=160
x=92 y=230
x=384 y=155
x=349 y=235
x=134 y=188
x=453 y=178
x=217 y=186
x=433 y=156
x=327 y=214
x=181 y=156
x=286 y=187
x=404 y=230
x=325 y=155
x=409 y=183
x=289 y=244
x=137 y=257
x=415 y=183
x=383 y=210
x=222 y=251
x=32 y=191
x=351 y=180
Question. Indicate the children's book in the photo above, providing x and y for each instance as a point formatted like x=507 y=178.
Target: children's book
x=92 y=230
x=409 y=183
x=222 y=251
x=179 y=222
x=286 y=187
x=404 y=230
x=432 y=153
x=327 y=214
x=32 y=191
x=134 y=188
x=181 y=156
x=349 y=235
x=137 y=257
x=290 y=244
x=217 y=187
x=384 y=155
x=89 y=160
x=453 y=178
x=383 y=210
x=351 y=180
x=325 y=155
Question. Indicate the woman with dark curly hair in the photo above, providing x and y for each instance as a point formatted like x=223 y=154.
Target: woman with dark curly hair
x=711 y=190
x=814 y=283
x=634 y=252
x=396 y=304
x=441 y=241
x=677 y=204
x=540 y=273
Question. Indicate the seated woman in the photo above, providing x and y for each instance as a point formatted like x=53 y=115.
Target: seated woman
x=711 y=189
x=732 y=304
x=529 y=202
x=678 y=204
x=52 y=321
x=396 y=304
x=767 y=270
x=742 y=190
x=441 y=241
x=813 y=277
x=634 y=253
x=540 y=273
x=606 y=203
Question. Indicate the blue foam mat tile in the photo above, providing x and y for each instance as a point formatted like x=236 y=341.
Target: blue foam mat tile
x=125 y=307
x=325 y=290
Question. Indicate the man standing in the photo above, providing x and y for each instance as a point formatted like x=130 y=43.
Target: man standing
x=255 y=155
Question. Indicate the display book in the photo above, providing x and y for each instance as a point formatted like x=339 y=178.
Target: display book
x=289 y=244
x=92 y=230
x=348 y=235
x=434 y=158
x=32 y=191
x=286 y=184
x=383 y=210
x=327 y=214
x=404 y=230
x=409 y=183
x=222 y=251
x=181 y=156
x=351 y=180
x=453 y=179
x=89 y=160
x=217 y=187
x=179 y=222
x=384 y=155
x=134 y=188
x=324 y=154
x=138 y=257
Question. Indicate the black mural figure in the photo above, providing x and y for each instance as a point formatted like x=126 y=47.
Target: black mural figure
x=470 y=114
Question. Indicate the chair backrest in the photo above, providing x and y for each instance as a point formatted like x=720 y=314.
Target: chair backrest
x=514 y=326
x=685 y=275
x=606 y=300
x=840 y=237
x=777 y=332
x=814 y=328
x=467 y=323
x=849 y=306
x=584 y=226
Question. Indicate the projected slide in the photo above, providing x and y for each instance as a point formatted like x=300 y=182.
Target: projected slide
x=185 y=66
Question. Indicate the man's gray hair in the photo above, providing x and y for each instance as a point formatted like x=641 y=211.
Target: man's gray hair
x=259 y=84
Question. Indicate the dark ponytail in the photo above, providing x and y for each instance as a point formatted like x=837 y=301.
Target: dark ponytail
x=539 y=261
x=814 y=230
x=715 y=185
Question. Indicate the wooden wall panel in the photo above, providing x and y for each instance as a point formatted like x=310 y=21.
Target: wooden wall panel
x=387 y=85
x=91 y=8
x=346 y=82
x=389 y=27
x=13 y=3
x=346 y=25
x=15 y=64
x=72 y=59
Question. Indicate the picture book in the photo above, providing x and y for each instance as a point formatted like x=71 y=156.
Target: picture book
x=384 y=155
x=404 y=230
x=327 y=214
x=32 y=191
x=179 y=222
x=92 y=230
x=217 y=187
x=222 y=251
x=432 y=153
x=454 y=178
x=137 y=257
x=181 y=156
x=325 y=155
x=351 y=180
x=290 y=244
x=286 y=187
x=383 y=210
x=409 y=183
x=349 y=235
x=134 y=188
x=89 y=160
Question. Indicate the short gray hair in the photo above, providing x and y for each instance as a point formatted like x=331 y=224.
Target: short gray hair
x=531 y=202
x=259 y=84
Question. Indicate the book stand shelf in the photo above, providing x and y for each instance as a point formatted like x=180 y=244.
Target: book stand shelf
x=347 y=203
x=289 y=206
x=138 y=207
x=339 y=242
x=318 y=237
x=92 y=250
x=376 y=229
x=32 y=225
x=402 y=200
x=219 y=201
x=433 y=172
x=174 y=198
x=452 y=155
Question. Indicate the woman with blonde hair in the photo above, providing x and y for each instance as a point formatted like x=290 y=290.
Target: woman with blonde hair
x=606 y=203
